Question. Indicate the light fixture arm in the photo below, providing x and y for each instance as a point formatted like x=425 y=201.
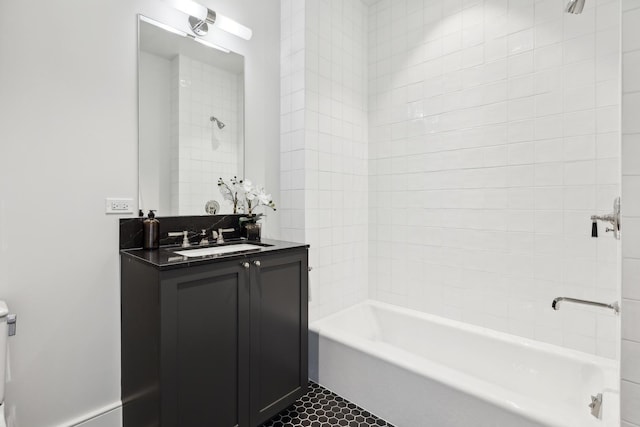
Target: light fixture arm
x=198 y=26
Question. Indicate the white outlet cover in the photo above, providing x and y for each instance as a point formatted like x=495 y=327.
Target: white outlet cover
x=118 y=205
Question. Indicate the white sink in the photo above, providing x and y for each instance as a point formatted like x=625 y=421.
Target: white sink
x=218 y=250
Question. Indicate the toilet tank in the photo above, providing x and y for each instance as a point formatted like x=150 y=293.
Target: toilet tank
x=4 y=311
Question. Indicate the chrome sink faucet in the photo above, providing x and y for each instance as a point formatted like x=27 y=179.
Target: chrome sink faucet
x=204 y=241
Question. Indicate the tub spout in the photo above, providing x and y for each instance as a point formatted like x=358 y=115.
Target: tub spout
x=613 y=306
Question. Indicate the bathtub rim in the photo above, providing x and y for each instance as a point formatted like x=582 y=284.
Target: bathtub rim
x=317 y=326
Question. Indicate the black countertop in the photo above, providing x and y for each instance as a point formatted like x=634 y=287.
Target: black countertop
x=165 y=258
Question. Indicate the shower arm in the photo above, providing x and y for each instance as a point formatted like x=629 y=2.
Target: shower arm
x=613 y=306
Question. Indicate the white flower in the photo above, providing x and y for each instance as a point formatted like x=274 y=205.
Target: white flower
x=246 y=186
x=265 y=199
x=245 y=196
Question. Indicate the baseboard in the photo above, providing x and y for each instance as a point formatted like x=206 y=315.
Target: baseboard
x=107 y=416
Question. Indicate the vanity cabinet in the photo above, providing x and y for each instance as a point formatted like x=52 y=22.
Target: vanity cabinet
x=214 y=344
x=279 y=333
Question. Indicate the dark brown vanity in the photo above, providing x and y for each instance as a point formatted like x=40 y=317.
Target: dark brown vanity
x=213 y=340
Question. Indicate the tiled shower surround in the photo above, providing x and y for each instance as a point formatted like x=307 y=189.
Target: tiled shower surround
x=493 y=136
x=324 y=176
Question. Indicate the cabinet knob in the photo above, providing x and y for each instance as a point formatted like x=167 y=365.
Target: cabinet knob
x=246 y=265
x=257 y=263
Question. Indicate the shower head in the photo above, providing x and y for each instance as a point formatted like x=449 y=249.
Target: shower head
x=218 y=122
x=575 y=6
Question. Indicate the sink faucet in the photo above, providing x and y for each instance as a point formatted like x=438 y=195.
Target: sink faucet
x=204 y=241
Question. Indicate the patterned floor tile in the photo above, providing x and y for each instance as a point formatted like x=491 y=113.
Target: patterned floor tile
x=322 y=408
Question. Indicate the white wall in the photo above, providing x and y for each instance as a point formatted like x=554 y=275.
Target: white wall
x=68 y=130
x=155 y=132
x=630 y=360
x=324 y=145
x=494 y=136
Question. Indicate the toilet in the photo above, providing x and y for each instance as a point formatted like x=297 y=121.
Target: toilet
x=4 y=335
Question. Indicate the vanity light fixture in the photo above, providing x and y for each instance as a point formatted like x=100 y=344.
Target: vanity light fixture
x=182 y=33
x=200 y=17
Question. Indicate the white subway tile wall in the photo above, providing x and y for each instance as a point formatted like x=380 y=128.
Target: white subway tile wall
x=200 y=152
x=292 y=129
x=324 y=154
x=493 y=137
x=630 y=358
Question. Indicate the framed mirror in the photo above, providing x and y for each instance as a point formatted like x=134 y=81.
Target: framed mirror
x=191 y=121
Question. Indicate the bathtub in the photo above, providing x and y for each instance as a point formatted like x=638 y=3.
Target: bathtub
x=420 y=370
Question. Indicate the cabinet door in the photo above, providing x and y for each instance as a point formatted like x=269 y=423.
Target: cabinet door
x=205 y=347
x=278 y=333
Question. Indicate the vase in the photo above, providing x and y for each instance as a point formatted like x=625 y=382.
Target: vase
x=253 y=231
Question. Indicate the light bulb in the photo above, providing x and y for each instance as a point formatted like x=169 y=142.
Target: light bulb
x=189 y=7
x=233 y=27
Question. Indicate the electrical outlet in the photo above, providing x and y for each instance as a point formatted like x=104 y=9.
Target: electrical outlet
x=119 y=206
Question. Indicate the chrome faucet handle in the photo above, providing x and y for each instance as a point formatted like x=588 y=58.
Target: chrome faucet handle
x=613 y=219
x=185 y=237
x=221 y=231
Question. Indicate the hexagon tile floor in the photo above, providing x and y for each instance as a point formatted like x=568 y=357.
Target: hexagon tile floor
x=323 y=408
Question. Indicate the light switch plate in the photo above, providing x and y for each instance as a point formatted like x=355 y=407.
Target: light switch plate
x=119 y=205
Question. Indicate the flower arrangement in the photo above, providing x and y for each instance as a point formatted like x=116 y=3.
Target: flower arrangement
x=231 y=191
x=245 y=197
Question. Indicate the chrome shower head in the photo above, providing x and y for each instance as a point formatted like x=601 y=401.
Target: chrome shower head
x=575 y=6
x=217 y=122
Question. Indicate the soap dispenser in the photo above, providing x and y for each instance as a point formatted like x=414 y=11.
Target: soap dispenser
x=151 y=231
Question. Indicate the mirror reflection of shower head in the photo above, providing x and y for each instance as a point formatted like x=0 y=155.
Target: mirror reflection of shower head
x=575 y=6
x=218 y=122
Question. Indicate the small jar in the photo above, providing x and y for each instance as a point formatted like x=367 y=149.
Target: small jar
x=253 y=230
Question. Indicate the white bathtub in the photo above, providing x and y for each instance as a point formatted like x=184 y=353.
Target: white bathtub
x=419 y=370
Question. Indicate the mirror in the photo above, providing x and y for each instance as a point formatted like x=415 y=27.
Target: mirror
x=191 y=121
